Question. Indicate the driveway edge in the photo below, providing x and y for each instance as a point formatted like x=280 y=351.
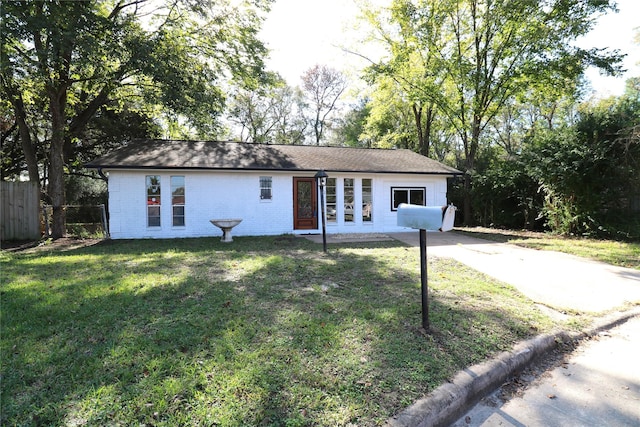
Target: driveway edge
x=452 y=400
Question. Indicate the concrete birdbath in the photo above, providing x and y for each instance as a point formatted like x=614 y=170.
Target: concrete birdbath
x=225 y=225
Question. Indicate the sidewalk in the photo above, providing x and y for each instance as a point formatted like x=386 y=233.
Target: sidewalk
x=564 y=283
x=597 y=385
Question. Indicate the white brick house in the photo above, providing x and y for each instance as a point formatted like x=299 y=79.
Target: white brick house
x=168 y=189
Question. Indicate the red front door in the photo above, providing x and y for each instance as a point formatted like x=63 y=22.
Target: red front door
x=305 y=206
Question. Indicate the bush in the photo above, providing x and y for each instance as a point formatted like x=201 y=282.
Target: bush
x=590 y=172
x=504 y=196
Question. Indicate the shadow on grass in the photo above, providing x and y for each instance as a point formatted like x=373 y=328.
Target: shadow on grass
x=266 y=331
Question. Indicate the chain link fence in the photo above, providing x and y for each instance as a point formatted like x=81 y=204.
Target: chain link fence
x=83 y=221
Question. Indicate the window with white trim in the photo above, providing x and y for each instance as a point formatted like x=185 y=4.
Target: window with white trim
x=411 y=195
x=349 y=201
x=177 y=200
x=153 y=200
x=367 y=200
x=265 y=188
x=332 y=201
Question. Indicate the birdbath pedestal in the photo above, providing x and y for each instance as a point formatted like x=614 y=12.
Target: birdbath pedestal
x=225 y=225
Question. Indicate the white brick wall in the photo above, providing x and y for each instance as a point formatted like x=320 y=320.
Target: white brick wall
x=236 y=194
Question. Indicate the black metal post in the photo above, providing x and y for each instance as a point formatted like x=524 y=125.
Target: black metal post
x=324 y=229
x=423 y=278
x=321 y=177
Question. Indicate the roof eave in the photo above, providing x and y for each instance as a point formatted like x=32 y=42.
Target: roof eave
x=202 y=168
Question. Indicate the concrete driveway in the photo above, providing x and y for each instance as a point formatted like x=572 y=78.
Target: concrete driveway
x=554 y=279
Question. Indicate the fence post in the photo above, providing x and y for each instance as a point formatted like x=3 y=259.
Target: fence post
x=105 y=224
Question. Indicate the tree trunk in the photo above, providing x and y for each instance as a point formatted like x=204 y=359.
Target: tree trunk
x=424 y=133
x=427 y=129
x=25 y=140
x=417 y=116
x=15 y=98
x=466 y=209
x=317 y=128
x=471 y=164
x=56 y=161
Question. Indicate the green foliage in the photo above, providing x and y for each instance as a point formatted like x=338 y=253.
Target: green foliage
x=574 y=173
x=590 y=172
x=350 y=127
x=389 y=122
x=64 y=63
x=85 y=190
x=110 y=128
x=272 y=114
x=470 y=58
x=504 y=195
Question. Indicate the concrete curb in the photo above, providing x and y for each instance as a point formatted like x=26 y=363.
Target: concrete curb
x=452 y=400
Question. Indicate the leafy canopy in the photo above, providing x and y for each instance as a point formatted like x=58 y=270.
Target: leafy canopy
x=62 y=62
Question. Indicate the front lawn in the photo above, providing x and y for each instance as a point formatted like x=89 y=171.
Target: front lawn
x=263 y=331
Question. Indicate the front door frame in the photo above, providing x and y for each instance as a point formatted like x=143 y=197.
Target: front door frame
x=305 y=211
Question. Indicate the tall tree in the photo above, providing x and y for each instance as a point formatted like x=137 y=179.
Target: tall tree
x=489 y=51
x=350 y=127
x=413 y=62
x=76 y=57
x=270 y=114
x=291 y=127
x=390 y=122
x=254 y=112
x=322 y=86
x=395 y=120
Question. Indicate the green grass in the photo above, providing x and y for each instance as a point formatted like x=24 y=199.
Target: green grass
x=623 y=254
x=264 y=331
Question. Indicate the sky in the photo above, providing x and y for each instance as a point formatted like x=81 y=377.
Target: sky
x=303 y=33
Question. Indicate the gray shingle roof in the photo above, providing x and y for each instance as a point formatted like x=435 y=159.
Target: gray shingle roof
x=172 y=154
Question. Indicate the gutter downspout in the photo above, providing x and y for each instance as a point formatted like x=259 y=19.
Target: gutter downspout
x=102 y=175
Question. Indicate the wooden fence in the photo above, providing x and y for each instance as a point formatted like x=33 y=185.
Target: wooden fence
x=19 y=211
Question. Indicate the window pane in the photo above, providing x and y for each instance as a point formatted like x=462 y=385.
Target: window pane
x=153 y=216
x=349 y=208
x=367 y=200
x=178 y=216
x=153 y=185
x=330 y=189
x=306 y=207
x=265 y=187
x=178 y=199
x=400 y=196
x=177 y=190
x=417 y=197
x=153 y=200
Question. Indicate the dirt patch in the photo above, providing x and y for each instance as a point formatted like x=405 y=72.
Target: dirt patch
x=62 y=244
